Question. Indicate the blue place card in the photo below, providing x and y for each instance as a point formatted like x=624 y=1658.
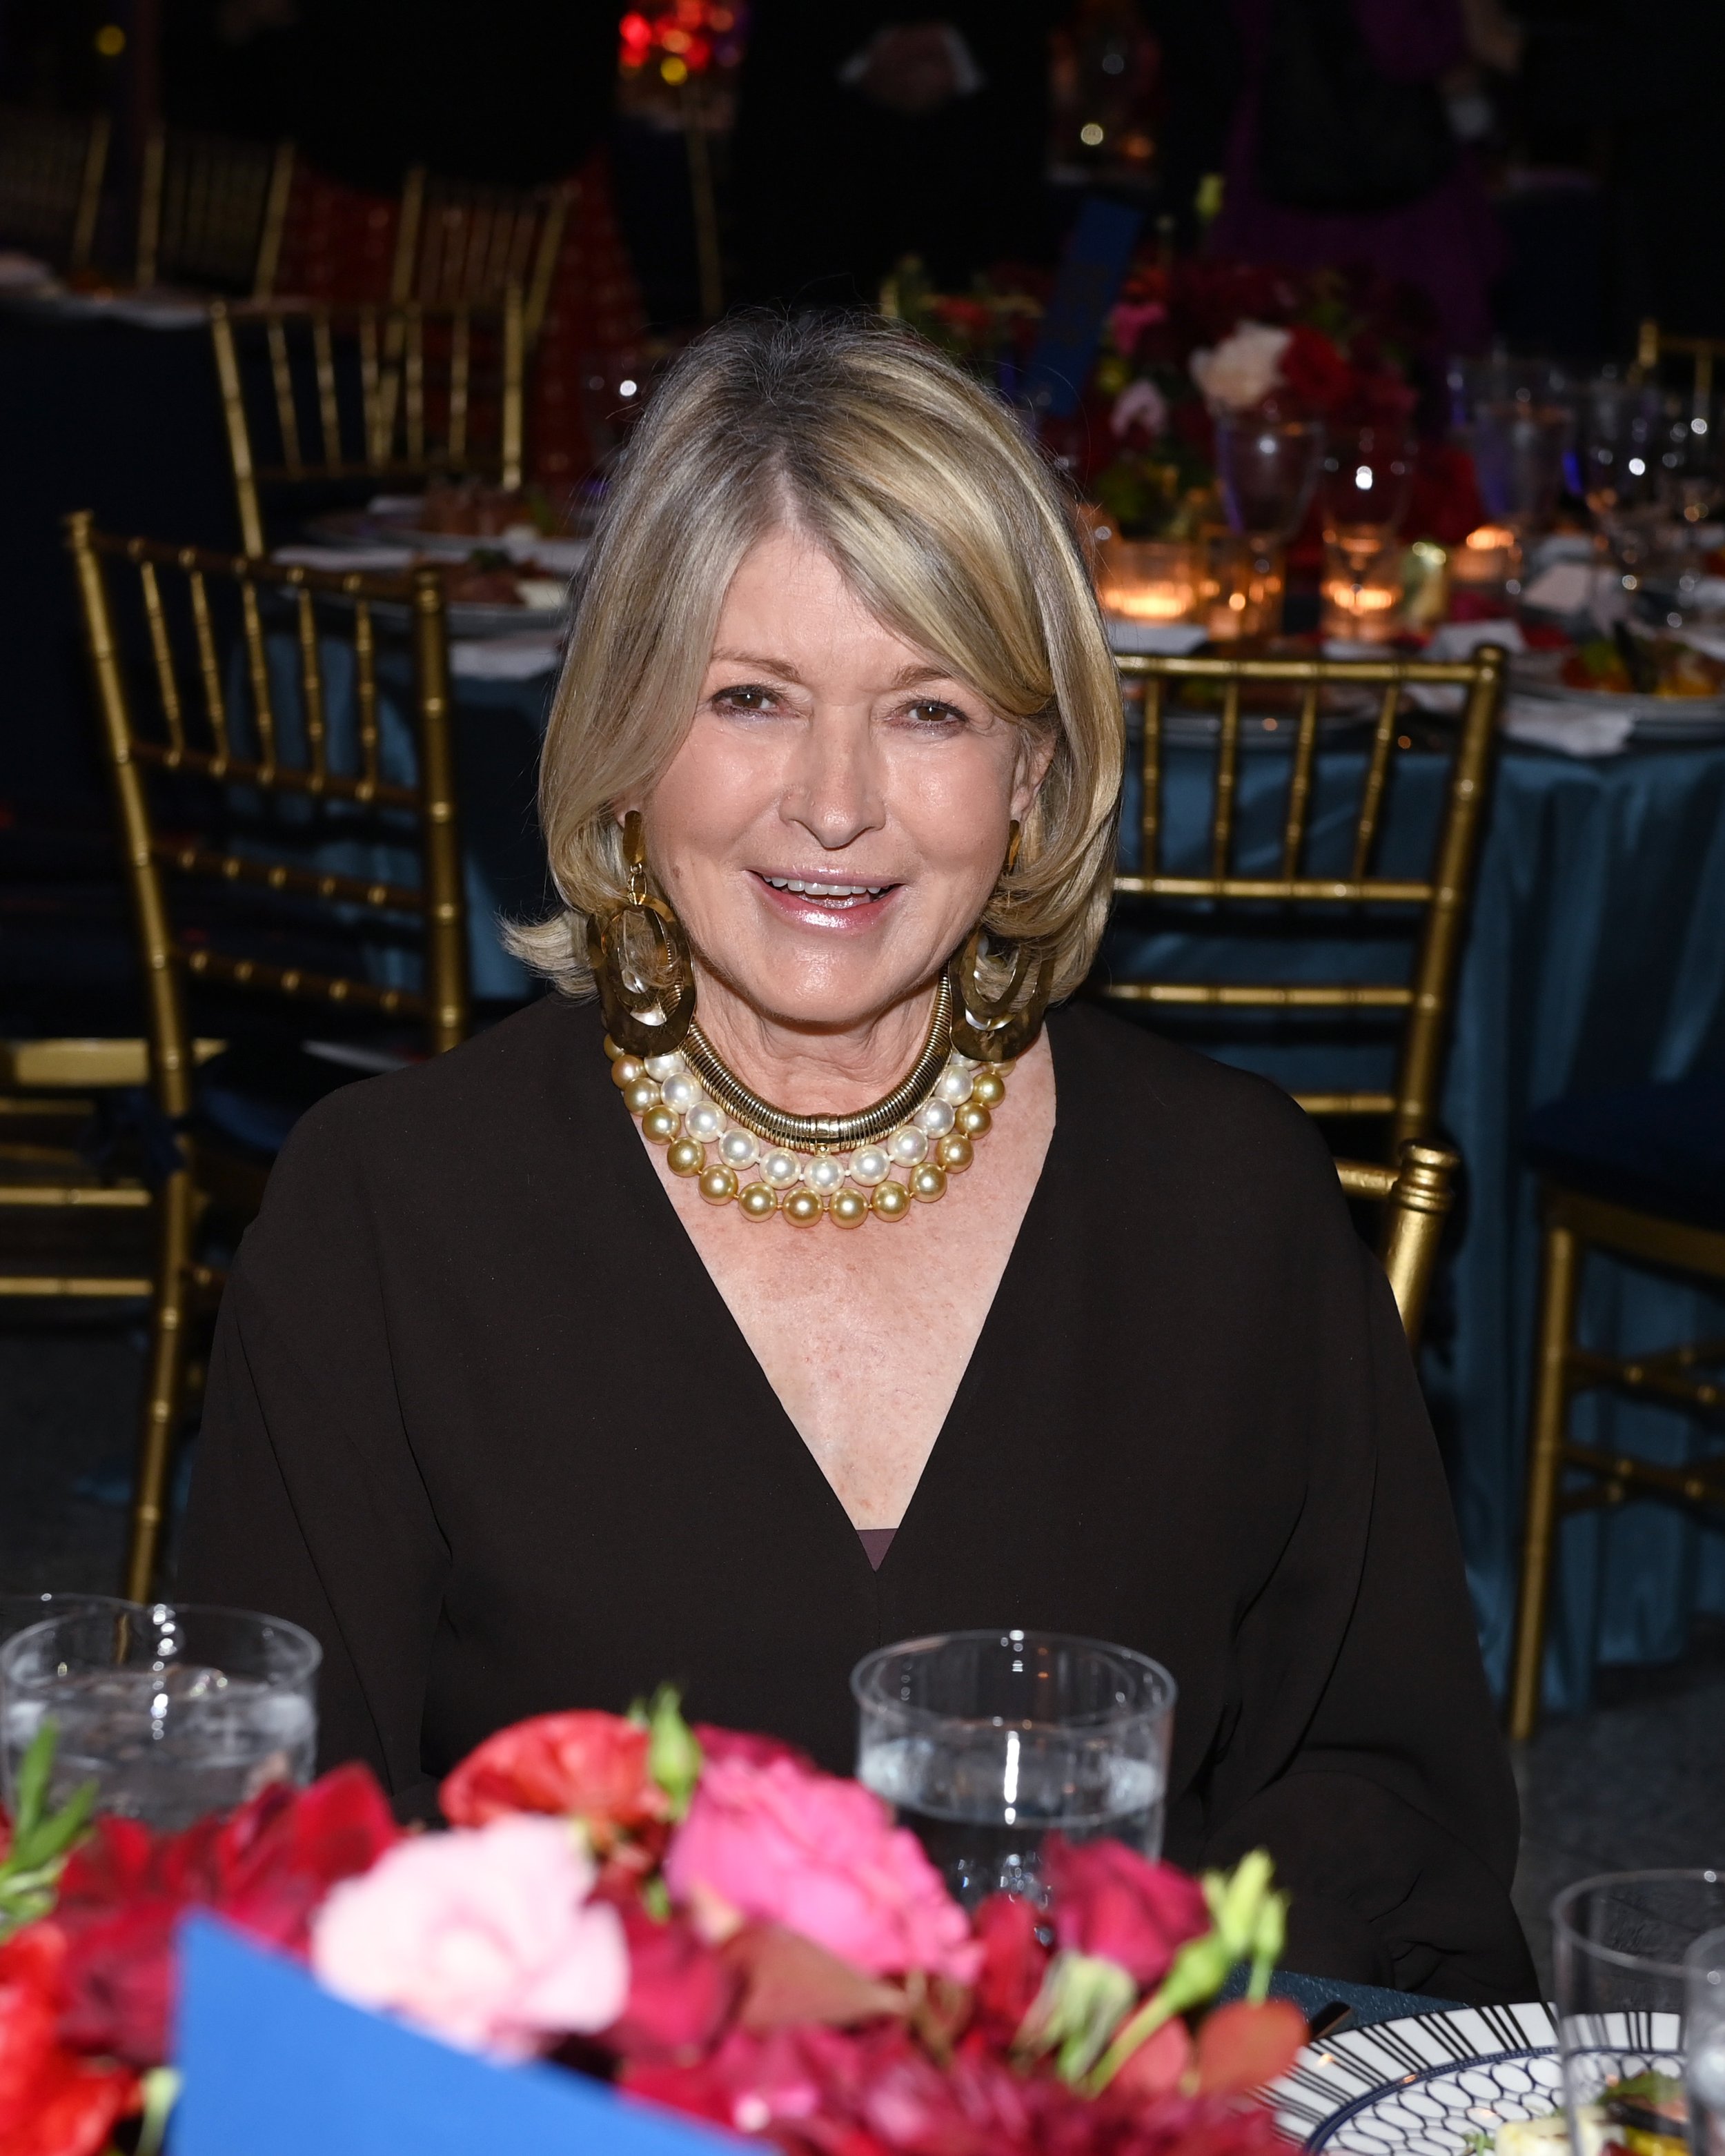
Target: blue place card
x=273 y=2066
x=1097 y=255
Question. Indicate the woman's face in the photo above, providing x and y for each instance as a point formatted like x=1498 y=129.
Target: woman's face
x=832 y=826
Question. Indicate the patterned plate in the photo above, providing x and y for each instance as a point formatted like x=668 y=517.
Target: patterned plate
x=1422 y=2086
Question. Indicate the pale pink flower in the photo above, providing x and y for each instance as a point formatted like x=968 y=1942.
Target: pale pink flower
x=484 y=1936
x=782 y=1844
x=1243 y=369
x=1139 y=404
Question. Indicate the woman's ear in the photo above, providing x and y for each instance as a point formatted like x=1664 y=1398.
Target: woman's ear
x=1034 y=757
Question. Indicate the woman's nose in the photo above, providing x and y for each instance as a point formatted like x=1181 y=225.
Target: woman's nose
x=834 y=790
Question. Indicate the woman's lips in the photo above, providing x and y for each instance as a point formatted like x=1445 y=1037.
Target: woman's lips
x=828 y=902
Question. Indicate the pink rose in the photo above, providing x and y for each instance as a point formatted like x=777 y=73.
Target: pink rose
x=486 y=1937
x=787 y=1846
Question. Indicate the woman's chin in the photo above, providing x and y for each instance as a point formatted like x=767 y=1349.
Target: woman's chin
x=828 y=998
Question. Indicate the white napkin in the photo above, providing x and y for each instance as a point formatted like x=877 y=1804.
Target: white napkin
x=518 y=657
x=1543 y=723
x=1565 y=588
x=1167 y=640
x=390 y=559
x=1460 y=640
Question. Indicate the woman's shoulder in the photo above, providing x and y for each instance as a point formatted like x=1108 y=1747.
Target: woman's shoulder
x=509 y=1089
x=1189 y=1118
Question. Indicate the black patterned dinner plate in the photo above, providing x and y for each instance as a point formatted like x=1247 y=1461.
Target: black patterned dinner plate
x=1428 y=2084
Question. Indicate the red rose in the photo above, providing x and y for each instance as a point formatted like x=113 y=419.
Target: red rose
x=583 y=1764
x=1314 y=370
x=1108 y=1900
x=265 y=1869
x=1014 y=1961
x=680 y=1990
x=51 y=2104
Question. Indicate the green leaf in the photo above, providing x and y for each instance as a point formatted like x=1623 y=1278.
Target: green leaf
x=161 y=2090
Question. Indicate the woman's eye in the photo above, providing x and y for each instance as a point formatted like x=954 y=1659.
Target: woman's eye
x=747 y=698
x=929 y=711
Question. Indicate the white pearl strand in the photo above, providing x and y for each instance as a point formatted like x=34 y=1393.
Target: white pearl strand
x=911 y=1162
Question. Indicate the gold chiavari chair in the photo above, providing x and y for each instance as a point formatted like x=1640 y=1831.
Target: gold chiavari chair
x=1414 y=1184
x=246 y=715
x=314 y=396
x=1637 y=1177
x=53 y=1191
x=211 y=210
x=463 y=245
x=1653 y=345
x=1416 y=1196
x=1328 y=906
x=52 y=165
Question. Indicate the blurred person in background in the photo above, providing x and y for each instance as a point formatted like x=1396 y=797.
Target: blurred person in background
x=865 y=135
x=1342 y=149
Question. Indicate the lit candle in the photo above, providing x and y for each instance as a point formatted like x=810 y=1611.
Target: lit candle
x=1147 y=580
x=1488 y=555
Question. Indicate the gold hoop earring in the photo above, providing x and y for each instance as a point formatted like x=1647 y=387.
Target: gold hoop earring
x=984 y=1024
x=628 y=993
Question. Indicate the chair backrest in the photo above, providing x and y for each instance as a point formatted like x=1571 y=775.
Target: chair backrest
x=313 y=395
x=1289 y=849
x=211 y=210
x=278 y=744
x=1654 y=345
x=462 y=245
x=52 y=165
x=1416 y=1195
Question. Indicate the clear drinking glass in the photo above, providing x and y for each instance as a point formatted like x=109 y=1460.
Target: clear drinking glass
x=172 y=1711
x=1366 y=480
x=986 y=1742
x=1705 y=2050
x=1266 y=470
x=17 y=1612
x=1619 y=1943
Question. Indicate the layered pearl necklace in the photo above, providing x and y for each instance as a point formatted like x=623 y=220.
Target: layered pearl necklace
x=805 y=1168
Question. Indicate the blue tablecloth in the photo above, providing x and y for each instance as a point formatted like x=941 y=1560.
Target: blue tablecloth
x=1595 y=957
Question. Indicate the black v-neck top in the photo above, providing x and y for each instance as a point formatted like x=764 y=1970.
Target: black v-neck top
x=478 y=1416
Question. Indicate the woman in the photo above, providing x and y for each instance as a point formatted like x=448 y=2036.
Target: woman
x=544 y=1376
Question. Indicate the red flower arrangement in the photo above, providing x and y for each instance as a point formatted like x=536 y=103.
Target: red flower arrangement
x=701 y=1916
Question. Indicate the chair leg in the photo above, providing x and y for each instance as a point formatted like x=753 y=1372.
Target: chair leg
x=1560 y=1274
x=165 y=1391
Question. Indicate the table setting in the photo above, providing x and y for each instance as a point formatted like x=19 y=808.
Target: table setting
x=976 y=1939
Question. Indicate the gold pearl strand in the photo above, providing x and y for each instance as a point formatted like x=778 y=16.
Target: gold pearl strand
x=935 y=1139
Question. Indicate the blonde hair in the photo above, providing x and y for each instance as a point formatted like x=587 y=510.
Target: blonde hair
x=943 y=519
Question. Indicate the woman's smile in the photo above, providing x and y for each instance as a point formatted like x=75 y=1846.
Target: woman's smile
x=824 y=903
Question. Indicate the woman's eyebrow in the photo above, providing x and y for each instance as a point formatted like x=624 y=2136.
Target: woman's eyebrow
x=781 y=667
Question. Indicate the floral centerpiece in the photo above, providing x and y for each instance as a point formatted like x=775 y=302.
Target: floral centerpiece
x=700 y=1916
x=1190 y=339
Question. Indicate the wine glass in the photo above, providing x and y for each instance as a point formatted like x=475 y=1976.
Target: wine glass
x=985 y=1742
x=1623 y=439
x=1518 y=449
x=1705 y=2048
x=1266 y=469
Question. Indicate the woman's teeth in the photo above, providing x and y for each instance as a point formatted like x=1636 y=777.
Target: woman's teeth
x=837 y=895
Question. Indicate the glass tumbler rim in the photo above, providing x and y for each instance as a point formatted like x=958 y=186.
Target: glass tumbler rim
x=1705 y=1956
x=1165 y=1686
x=1643 y=1964
x=307 y=1660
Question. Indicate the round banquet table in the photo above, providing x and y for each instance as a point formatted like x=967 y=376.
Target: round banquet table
x=1594 y=958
